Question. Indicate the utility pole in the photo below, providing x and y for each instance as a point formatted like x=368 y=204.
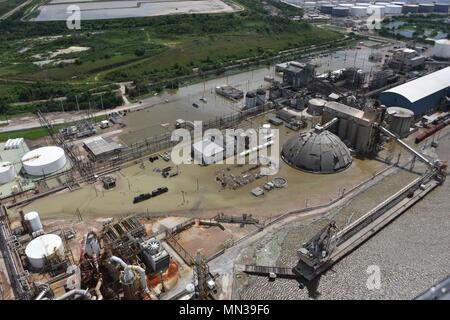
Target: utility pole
x=76 y=99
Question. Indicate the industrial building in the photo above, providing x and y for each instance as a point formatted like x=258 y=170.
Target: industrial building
x=298 y=74
x=99 y=148
x=354 y=127
x=420 y=95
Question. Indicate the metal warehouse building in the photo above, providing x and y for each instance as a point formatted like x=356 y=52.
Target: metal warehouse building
x=419 y=95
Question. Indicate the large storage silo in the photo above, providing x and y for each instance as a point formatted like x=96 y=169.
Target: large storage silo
x=441 y=7
x=260 y=97
x=340 y=12
x=358 y=11
x=400 y=120
x=393 y=9
x=410 y=8
x=43 y=161
x=250 y=99
x=7 y=172
x=426 y=7
x=315 y=106
x=327 y=8
x=441 y=49
x=33 y=220
x=43 y=249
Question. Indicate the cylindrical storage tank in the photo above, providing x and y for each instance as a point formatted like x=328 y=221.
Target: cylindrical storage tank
x=33 y=220
x=393 y=9
x=362 y=4
x=441 y=49
x=441 y=7
x=399 y=3
x=400 y=120
x=309 y=5
x=43 y=161
x=327 y=8
x=340 y=11
x=410 y=8
x=260 y=97
x=348 y=5
x=358 y=11
x=250 y=99
x=7 y=172
x=42 y=249
x=382 y=3
x=426 y=7
x=378 y=10
x=315 y=106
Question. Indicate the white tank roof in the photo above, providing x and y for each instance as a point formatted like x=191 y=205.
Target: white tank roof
x=44 y=160
x=42 y=247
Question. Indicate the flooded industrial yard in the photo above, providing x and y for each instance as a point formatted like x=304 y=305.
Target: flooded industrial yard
x=162 y=115
x=412 y=252
x=195 y=192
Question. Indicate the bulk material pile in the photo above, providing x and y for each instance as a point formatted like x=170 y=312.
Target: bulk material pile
x=44 y=248
x=44 y=161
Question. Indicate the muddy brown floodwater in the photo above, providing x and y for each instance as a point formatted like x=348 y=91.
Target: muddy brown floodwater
x=195 y=192
x=413 y=252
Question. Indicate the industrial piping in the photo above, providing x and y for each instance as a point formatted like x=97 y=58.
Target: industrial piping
x=75 y=292
x=128 y=274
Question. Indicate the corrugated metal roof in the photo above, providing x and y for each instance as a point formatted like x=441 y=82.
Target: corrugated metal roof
x=424 y=86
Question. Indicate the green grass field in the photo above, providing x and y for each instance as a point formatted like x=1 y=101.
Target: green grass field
x=8 y=5
x=143 y=50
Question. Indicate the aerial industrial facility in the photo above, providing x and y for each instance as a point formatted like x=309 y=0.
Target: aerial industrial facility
x=102 y=210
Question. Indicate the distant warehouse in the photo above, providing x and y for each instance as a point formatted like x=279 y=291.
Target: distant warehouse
x=420 y=95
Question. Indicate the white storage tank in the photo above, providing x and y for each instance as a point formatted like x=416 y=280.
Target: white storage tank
x=340 y=11
x=400 y=120
x=426 y=7
x=399 y=3
x=441 y=49
x=43 y=161
x=382 y=3
x=363 y=4
x=358 y=11
x=410 y=8
x=393 y=9
x=33 y=220
x=326 y=8
x=309 y=5
x=42 y=249
x=441 y=7
x=7 y=172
